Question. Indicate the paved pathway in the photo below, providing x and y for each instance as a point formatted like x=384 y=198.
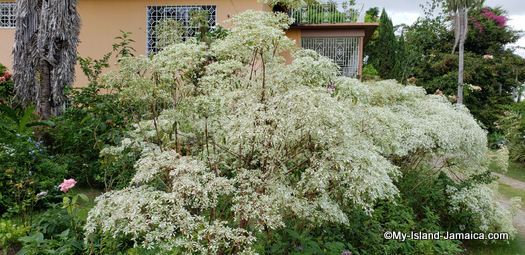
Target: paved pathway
x=519 y=220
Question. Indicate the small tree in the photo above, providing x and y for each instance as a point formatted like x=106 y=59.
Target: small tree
x=383 y=54
x=45 y=51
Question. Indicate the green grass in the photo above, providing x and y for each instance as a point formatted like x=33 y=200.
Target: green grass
x=516 y=246
x=516 y=171
x=509 y=191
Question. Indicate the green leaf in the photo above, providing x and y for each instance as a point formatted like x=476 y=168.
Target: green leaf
x=23 y=251
x=85 y=119
x=64 y=234
x=84 y=197
x=42 y=123
x=293 y=233
x=82 y=214
x=9 y=112
x=39 y=237
x=25 y=118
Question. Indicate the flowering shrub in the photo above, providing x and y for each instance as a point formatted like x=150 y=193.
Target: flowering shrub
x=252 y=145
x=6 y=85
x=499 y=20
x=488 y=214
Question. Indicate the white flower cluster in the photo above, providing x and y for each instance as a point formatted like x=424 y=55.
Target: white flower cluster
x=488 y=214
x=405 y=122
x=268 y=141
x=501 y=159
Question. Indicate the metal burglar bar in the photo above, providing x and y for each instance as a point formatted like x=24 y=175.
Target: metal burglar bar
x=344 y=51
x=181 y=14
x=7 y=14
x=330 y=12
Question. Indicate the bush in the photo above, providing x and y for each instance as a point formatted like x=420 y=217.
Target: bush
x=246 y=154
x=6 y=86
x=512 y=123
x=28 y=171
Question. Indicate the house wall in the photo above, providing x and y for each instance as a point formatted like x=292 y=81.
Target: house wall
x=7 y=38
x=102 y=21
x=295 y=33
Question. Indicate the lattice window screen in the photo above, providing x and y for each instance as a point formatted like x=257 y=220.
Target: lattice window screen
x=344 y=51
x=181 y=14
x=7 y=14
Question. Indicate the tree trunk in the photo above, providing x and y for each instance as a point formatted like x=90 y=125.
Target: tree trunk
x=44 y=98
x=461 y=70
x=462 y=16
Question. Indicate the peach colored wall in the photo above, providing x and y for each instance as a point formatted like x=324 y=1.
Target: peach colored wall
x=294 y=34
x=333 y=32
x=102 y=21
x=7 y=39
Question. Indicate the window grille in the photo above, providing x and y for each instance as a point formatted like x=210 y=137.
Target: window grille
x=344 y=51
x=7 y=14
x=181 y=14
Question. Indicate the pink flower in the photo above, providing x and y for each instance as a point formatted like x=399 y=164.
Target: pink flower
x=67 y=184
x=506 y=112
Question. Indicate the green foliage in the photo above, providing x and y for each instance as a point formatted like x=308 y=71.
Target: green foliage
x=372 y=15
x=387 y=53
x=497 y=72
x=422 y=210
x=95 y=120
x=512 y=123
x=370 y=73
x=9 y=234
x=19 y=122
x=383 y=56
x=59 y=229
x=27 y=167
x=6 y=86
x=123 y=47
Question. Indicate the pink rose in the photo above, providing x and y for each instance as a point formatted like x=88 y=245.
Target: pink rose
x=67 y=184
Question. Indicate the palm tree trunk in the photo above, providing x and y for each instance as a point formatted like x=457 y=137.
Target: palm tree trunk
x=44 y=97
x=462 y=16
x=461 y=70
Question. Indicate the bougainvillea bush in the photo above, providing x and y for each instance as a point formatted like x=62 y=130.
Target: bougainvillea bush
x=245 y=146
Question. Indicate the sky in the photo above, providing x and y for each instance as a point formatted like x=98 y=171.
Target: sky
x=407 y=12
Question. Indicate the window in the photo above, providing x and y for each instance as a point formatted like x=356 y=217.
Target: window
x=181 y=14
x=7 y=14
x=344 y=51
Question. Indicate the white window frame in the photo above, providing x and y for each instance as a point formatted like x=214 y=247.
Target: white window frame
x=7 y=15
x=343 y=50
x=179 y=13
